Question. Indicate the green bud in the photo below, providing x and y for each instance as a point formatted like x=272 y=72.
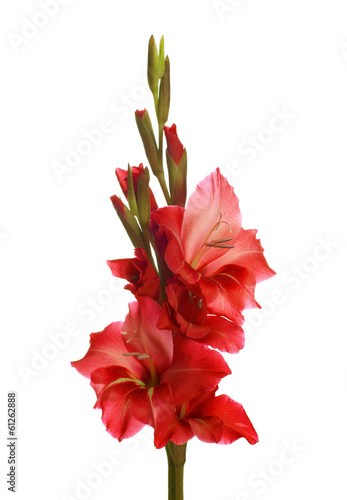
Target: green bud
x=161 y=64
x=164 y=94
x=153 y=66
x=144 y=200
x=177 y=179
x=144 y=125
x=129 y=222
x=131 y=192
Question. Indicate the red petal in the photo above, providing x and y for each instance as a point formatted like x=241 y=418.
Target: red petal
x=139 y=272
x=197 y=406
x=125 y=269
x=207 y=429
x=117 y=383
x=213 y=200
x=223 y=335
x=235 y=420
x=194 y=368
x=174 y=145
x=172 y=429
x=140 y=113
x=218 y=302
x=106 y=349
x=140 y=325
x=170 y=220
x=150 y=405
x=247 y=253
x=118 y=420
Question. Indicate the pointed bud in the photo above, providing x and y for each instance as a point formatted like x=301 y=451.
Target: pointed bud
x=144 y=199
x=129 y=222
x=176 y=158
x=144 y=125
x=174 y=145
x=126 y=182
x=128 y=178
x=161 y=64
x=153 y=66
x=164 y=94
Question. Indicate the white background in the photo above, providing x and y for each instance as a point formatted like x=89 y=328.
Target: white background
x=232 y=70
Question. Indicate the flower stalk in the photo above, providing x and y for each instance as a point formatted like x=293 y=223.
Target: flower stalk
x=176 y=455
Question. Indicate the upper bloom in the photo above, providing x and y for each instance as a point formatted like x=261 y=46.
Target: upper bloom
x=207 y=245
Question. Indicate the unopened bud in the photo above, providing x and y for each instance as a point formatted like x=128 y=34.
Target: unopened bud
x=164 y=94
x=144 y=125
x=153 y=66
x=176 y=157
x=129 y=222
x=143 y=199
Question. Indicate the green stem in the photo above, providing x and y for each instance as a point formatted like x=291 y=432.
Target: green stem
x=176 y=459
x=171 y=476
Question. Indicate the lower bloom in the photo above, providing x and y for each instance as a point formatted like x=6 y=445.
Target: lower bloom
x=140 y=373
x=211 y=419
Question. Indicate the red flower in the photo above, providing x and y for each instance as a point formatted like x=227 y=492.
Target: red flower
x=122 y=176
x=186 y=309
x=139 y=373
x=211 y=419
x=207 y=245
x=143 y=280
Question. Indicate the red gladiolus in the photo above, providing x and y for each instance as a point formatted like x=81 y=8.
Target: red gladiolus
x=186 y=310
x=211 y=419
x=207 y=245
x=139 y=373
x=194 y=273
x=143 y=280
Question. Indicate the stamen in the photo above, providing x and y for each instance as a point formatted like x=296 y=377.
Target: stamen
x=143 y=356
x=131 y=353
x=214 y=243
x=131 y=338
x=225 y=246
x=199 y=304
x=190 y=297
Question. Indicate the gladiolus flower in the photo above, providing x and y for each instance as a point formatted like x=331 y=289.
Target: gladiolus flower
x=211 y=419
x=186 y=310
x=139 y=373
x=143 y=280
x=207 y=245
